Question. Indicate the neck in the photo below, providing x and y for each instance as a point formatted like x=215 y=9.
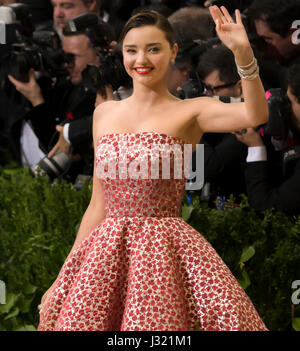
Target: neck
x=150 y=96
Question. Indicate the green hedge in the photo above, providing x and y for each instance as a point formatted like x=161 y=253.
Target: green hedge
x=39 y=223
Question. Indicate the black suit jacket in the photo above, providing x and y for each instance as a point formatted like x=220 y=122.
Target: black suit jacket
x=64 y=103
x=263 y=195
x=81 y=131
x=223 y=159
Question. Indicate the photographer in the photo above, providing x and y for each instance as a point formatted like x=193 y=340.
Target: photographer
x=64 y=10
x=274 y=21
x=262 y=192
x=223 y=154
x=67 y=101
x=189 y=24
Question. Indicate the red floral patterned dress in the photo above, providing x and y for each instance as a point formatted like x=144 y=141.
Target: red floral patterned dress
x=143 y=267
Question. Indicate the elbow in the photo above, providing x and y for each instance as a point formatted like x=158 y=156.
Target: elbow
x=264 y=113
x=260 y=119
x=258 y=113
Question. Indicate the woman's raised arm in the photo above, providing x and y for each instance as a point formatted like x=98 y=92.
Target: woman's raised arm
x=215 y=116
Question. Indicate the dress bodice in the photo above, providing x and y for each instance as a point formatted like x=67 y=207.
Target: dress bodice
x=142 y=174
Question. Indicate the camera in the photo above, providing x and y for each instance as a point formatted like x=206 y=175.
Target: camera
x=110 y=71
x=280 y=128
x=15 y=20
x=26 y=48
x=53 y=167
x=279 y=114
x=94 y=78
x=193 y=87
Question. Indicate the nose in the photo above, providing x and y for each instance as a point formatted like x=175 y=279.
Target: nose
x=57 y=12
x=141 y=58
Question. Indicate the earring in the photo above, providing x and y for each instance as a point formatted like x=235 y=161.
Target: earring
x=172 y=61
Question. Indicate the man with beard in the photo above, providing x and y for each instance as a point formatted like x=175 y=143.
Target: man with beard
x=63 y=10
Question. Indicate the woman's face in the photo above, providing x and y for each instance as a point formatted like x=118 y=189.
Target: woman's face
x=147 y=55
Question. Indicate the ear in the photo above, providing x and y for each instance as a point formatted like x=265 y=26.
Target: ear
x=174 y=51
x=92 y=6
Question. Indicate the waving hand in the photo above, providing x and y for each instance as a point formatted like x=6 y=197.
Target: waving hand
x=231 y=33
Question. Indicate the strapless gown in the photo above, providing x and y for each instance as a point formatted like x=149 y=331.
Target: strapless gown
x=143 y=267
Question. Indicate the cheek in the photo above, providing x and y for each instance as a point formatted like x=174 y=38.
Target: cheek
x=128 y=63
x=92 y=58
x=281 y=45
x=161 y=61
x=79 y=64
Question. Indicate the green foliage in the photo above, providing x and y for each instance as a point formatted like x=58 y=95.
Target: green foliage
x=39 y=222
x=261 y=249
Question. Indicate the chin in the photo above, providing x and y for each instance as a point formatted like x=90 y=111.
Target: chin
x=75 y=81
x=59 y=30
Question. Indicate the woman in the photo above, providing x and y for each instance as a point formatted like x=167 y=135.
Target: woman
x=135 y=264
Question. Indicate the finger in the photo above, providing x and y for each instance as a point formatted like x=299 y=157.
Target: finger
x=219 y=25
x=59 y=128
x=221 y=17
x=226 y=14
x=13 y=80
x=238 y=17
x=31 y=75
x=53 y=151
x=216 y=14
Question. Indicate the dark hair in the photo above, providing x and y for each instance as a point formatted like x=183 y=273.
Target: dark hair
x=149 y=18
x=293 y=80
x=161 y=8
x=279 y=14
x=218 y=58
x=191 y=23
x=87 y=2
x=99 y=35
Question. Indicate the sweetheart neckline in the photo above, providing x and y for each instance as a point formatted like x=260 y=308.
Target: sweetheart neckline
x=144 y=132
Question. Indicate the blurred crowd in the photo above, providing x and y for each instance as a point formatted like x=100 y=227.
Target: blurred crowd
x=61 y=58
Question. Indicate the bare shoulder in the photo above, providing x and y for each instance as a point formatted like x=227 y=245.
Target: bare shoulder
x=101 y=110
x=104 y=113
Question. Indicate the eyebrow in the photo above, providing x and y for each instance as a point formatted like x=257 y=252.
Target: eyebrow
x=63 y=3
x=134 y=46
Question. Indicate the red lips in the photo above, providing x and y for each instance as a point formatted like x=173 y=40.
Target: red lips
x=143 y=70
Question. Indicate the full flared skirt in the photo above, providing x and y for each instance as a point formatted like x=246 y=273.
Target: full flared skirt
x=147 y=273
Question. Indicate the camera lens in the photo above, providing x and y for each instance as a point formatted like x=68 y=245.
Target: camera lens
x=53 y=167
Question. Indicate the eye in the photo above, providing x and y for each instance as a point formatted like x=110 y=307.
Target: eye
x=154 y=50
x=130 y=51
x=67 y=6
